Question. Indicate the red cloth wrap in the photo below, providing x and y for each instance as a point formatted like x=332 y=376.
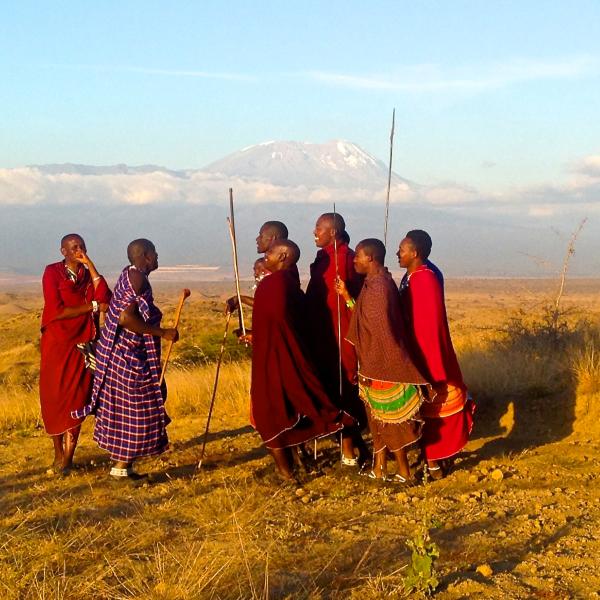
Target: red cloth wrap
x=447 y=426
x=65 y=383
x=322 y=302
x=289 y=403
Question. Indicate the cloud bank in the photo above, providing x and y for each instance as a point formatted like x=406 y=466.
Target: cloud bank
x=31 y=186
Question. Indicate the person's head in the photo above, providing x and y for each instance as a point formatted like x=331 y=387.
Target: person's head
x=142 y=255
x=72 y=247
x=414 y=249
x=330 y=226
x=260 y=270
x=271 y=230
x=369 y=256
x=281 y=254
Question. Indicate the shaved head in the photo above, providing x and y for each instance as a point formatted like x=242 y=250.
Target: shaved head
x=139 y=248
x=270 y=231
x=289 y=247
x=277 y=229
x=421 y=242
x=70 y=236
x=281 y=254
x=373 y=248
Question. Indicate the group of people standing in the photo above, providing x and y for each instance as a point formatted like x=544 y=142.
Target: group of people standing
x=115 y=375
x=353 y=351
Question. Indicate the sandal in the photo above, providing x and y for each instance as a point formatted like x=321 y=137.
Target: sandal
x=400 y=480
x=349 y=462
x=435 y=473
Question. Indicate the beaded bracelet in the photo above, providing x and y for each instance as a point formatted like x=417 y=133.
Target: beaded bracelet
x=351 y=303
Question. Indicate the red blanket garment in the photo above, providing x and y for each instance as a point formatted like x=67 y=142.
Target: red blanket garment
x=289 y=403
x=65 y=383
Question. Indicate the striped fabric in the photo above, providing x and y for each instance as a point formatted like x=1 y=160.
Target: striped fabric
x=445 y=400
x=390 y=402
x=126 y=399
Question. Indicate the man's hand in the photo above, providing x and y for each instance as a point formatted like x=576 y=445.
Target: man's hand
x=82 y=258
x=340 y=288
x=102 y=307
x=171 y=335
x=245 y=339
x=231 y=305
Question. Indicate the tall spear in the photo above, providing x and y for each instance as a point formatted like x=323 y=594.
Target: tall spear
x=339 y=311
x=231 y=221
x=389 y=184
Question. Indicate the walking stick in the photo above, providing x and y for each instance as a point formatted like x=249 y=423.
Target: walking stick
x=387 y=200
x=236 y=272
x=185 y=293
x=339 y=321
x=214 y=392
x=339 y=311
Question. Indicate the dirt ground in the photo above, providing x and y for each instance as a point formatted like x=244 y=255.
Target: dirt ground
x=517 y=518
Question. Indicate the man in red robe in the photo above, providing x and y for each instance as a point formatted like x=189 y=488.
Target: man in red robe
x=327 y=333
x=448 y=415
x=289 y=406
x=74 y=295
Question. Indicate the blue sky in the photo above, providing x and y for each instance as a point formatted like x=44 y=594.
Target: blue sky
x=492 y=94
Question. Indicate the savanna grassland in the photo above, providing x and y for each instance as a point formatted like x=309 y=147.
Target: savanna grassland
x=517 y=518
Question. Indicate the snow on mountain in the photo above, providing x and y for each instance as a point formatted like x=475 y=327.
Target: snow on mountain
x=337 y=164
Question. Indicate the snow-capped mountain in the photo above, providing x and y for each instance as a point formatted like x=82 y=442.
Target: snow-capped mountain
x=334 y=164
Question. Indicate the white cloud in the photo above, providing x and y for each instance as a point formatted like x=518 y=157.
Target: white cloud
x=472 y=78
x=154 y=71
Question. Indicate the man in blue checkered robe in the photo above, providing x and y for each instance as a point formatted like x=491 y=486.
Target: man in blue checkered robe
x=127 y=399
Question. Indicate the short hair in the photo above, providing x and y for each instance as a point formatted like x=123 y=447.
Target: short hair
x=279 y=230
x=68 y=237
x=374 y=248
x=293 y=251
x=421 y=240
x=337 y=222
x=138 y=247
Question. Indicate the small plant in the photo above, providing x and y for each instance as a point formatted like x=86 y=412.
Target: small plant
x=421 y=575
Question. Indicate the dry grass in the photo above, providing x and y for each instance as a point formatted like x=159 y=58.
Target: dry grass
x=231 y=532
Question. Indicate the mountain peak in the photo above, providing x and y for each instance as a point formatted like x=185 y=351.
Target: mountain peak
x=338 y=163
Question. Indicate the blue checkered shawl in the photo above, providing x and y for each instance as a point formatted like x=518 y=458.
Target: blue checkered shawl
x=127 y=401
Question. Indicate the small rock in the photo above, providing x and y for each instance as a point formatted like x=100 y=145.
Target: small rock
x=497 y=475
x=473 y=478
x=485 y=570
x=402 y=496
x=300 y=492
x=305 y=499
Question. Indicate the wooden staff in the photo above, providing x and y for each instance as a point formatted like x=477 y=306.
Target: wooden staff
x=231 y=221
x=389 y=184
x=339 y=322
x=339 y=310
x=214 y=392
x=185 y=293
